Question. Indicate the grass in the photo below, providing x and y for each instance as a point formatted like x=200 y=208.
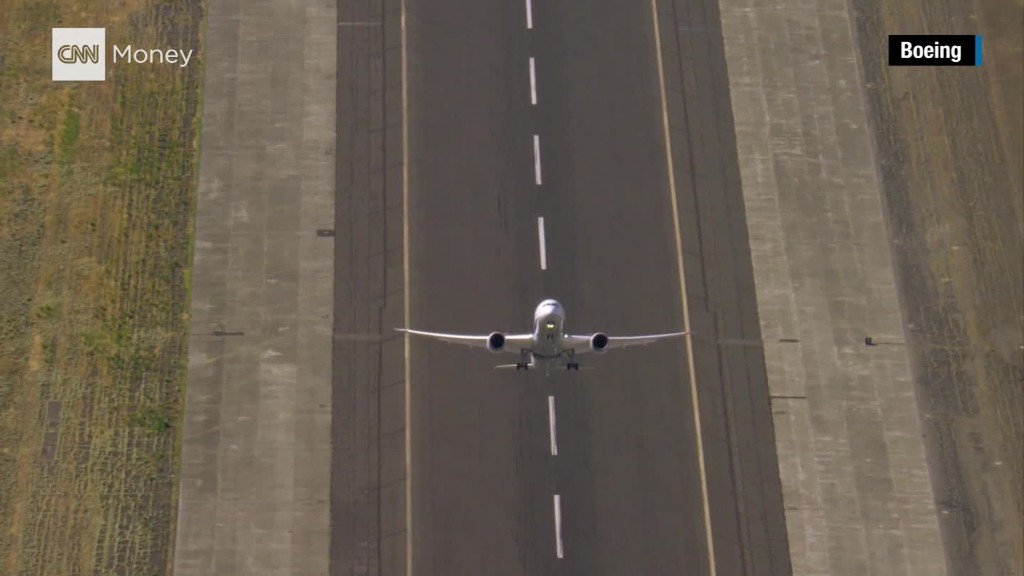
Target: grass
x=155 y=420
x=949 y=146
x=96 y=209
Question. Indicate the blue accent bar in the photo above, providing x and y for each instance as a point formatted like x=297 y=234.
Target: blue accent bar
x=977 y=50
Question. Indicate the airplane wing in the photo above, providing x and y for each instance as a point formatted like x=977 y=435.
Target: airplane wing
x=513 y=342
x=581 y=344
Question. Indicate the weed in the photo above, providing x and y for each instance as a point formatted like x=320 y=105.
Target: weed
x=152 y=419
x=46 y=312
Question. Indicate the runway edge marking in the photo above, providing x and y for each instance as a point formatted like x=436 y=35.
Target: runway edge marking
x=405 y=265
x=682 y=288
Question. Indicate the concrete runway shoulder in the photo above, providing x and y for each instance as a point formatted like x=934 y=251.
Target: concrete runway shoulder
x=256 y=438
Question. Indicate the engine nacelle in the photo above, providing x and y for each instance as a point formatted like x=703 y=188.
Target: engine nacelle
x=496 y=342
x=599 y=342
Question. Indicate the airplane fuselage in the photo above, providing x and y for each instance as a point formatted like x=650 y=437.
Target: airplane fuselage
x=548 y=331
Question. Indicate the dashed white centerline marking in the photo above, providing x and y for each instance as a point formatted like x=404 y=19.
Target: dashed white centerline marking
x=533 y=82
x=543 y=244
x=558 y=527
x=551 y=420
x=529 y=14
x=536 y=158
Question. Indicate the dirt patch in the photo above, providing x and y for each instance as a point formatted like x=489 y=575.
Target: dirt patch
x=948 y=141
x=96 y=209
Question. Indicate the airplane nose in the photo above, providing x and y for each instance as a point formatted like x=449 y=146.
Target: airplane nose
x=550 y=307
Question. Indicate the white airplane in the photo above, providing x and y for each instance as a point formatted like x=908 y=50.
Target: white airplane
x=548 y=343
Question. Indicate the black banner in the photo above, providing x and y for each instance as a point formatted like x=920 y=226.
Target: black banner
x=935 y=50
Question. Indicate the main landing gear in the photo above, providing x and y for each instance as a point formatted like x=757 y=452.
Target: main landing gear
x=572 y=364
x=524 y=360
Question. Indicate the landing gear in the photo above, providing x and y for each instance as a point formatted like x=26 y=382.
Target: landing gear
x=572 y=364
x=524 y=360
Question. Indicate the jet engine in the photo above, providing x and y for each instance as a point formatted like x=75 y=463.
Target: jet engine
x=496 y=342
x=599 y=342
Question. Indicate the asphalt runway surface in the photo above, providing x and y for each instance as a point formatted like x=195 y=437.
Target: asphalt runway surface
x=484 y=164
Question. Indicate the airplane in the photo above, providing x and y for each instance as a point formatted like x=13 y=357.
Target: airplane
x=548 y=343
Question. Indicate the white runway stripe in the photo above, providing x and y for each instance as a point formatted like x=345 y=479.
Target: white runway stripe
x=543 y=244
x=533 y=82
x=536 y=158
x=558 y=527
x=551 y=421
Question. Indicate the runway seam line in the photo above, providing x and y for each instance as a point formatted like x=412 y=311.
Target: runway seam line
x=682 y=286
x=405 y=265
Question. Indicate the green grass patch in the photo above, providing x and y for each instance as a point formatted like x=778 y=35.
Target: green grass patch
x=154 y=420
x=69 y=135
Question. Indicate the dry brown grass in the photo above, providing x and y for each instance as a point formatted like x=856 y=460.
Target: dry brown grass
x=949 y=142
x=96 y=197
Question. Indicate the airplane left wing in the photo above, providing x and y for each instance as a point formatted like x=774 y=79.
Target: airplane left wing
x=625 y=341
x=602 y=342
x=477 y=341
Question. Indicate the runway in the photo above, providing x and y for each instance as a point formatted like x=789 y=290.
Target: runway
x=578 y=139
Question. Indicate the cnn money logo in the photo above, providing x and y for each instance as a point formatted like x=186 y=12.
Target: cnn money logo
x=79 y=54
x=935 y=50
